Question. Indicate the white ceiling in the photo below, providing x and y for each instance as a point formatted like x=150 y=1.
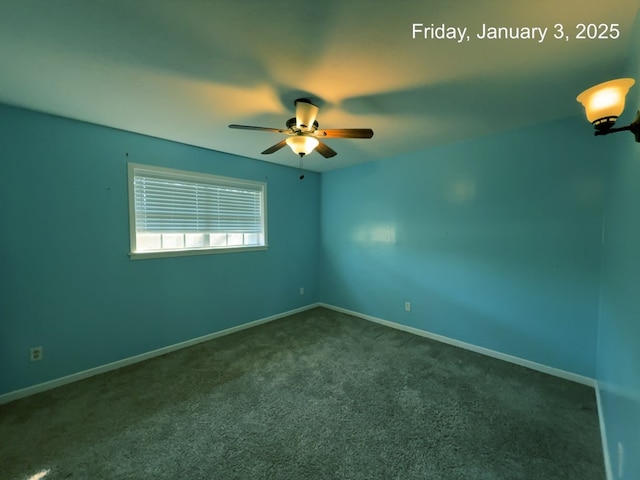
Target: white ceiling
x=184 y=70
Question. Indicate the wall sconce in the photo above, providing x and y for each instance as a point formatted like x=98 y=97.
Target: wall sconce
x=604 y=103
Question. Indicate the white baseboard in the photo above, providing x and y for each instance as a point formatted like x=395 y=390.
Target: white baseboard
x=58 y=382
x=41 y=387
x=468 y=346
x=603 y=436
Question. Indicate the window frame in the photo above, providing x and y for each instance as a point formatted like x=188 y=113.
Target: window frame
x=204 y=178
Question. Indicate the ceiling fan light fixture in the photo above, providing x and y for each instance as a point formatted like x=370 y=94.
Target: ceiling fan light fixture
x=604 y=103
x=302 y=144
x=302 y=131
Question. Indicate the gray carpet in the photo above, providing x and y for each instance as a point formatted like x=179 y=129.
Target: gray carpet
x=312 y=396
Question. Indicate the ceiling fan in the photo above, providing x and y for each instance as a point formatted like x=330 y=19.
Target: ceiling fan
x=304 y=136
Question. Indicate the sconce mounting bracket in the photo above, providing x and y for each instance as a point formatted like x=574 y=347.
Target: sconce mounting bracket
x=633 y=127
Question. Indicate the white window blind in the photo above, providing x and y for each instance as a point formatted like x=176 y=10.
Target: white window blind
x=174 y=210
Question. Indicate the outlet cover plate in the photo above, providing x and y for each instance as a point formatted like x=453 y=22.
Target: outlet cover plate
x=35 y=354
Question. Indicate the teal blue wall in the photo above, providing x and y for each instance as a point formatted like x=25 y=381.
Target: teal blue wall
x=619 y=337
x=66 y=281
x=494 y=241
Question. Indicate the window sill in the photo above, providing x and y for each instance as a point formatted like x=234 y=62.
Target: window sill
x=187 y=253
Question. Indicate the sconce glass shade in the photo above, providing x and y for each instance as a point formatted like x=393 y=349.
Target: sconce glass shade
x=604 y=103
x=302 y=144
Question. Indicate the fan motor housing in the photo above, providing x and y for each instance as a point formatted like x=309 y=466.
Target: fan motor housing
x=291 y=123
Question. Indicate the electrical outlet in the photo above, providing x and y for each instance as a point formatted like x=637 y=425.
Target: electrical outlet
x=620 y=460
x=301 y=290
x=407 y=306
x=35 y=354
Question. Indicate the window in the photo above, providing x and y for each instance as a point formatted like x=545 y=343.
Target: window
x=173 y=212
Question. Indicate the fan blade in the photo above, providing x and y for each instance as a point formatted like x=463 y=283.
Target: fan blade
x=345 y=133
x=275 y=148
x=306 y=113
x=324 y=150
x=261 y=129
